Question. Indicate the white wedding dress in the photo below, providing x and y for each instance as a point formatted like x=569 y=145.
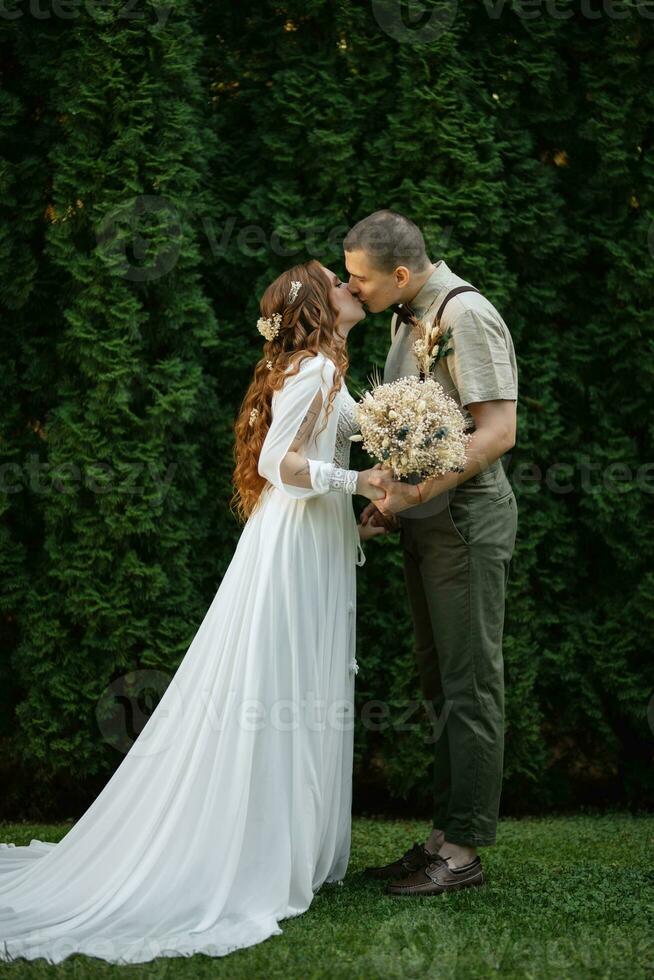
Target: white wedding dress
x=232 y=807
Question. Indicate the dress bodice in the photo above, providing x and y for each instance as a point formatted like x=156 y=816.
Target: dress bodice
x=347 y=426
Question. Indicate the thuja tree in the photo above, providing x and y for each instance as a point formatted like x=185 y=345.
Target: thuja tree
x=165 y=172
x=110 y=383
x=509 y=140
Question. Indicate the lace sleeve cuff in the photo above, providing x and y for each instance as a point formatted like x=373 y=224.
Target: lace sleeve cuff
x=328 y=476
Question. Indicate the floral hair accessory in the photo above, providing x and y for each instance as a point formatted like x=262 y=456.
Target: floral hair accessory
x=269 y=326
x=296 y=286
x=253 y=416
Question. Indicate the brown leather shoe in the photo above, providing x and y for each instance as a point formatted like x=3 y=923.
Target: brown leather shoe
x=414 y=859
x=437 y=877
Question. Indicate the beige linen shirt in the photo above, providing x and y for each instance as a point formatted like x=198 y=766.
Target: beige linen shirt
x=482 y=366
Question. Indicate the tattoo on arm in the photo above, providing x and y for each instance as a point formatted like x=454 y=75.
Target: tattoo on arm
x=305 y=427
x=301 y=438
x=308 y=423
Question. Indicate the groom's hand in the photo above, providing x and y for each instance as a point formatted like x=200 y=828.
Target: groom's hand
x=367 y=488
x=397 y=496
x=371 y=514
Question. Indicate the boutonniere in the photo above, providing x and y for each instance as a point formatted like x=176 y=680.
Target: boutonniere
x=431 y=345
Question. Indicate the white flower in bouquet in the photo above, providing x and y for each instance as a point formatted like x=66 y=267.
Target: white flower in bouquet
x=412 y=427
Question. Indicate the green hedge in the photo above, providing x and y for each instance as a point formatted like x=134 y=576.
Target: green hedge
x=156 y=173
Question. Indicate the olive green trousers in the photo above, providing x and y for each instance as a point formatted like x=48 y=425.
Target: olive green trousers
x=457 y=554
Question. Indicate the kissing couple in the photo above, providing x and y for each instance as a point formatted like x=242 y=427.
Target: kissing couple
x=233 y=805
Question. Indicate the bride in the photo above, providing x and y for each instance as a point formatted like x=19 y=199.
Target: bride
x=232 y=806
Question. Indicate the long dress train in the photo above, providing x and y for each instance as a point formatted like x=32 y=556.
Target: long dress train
x=232 y=807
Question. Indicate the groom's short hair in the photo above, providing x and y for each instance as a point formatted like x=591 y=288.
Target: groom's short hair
x=389 y=239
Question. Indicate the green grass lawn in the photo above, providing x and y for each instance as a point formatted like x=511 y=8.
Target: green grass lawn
x=565 y=897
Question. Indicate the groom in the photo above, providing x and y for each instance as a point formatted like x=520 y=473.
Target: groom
x=458 y=535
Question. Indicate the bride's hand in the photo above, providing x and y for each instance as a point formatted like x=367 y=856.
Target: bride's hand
x=367 y=531
x=365 y=487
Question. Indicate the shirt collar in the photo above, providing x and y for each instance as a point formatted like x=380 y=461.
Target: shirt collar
x=436 y=283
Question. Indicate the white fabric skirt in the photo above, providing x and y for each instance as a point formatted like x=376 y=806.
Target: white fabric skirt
x=233 y=805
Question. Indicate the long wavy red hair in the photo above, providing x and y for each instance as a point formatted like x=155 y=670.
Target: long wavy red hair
x=308 y=325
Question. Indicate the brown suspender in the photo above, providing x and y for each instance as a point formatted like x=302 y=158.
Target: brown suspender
x=437 y=319
x=452 y=292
